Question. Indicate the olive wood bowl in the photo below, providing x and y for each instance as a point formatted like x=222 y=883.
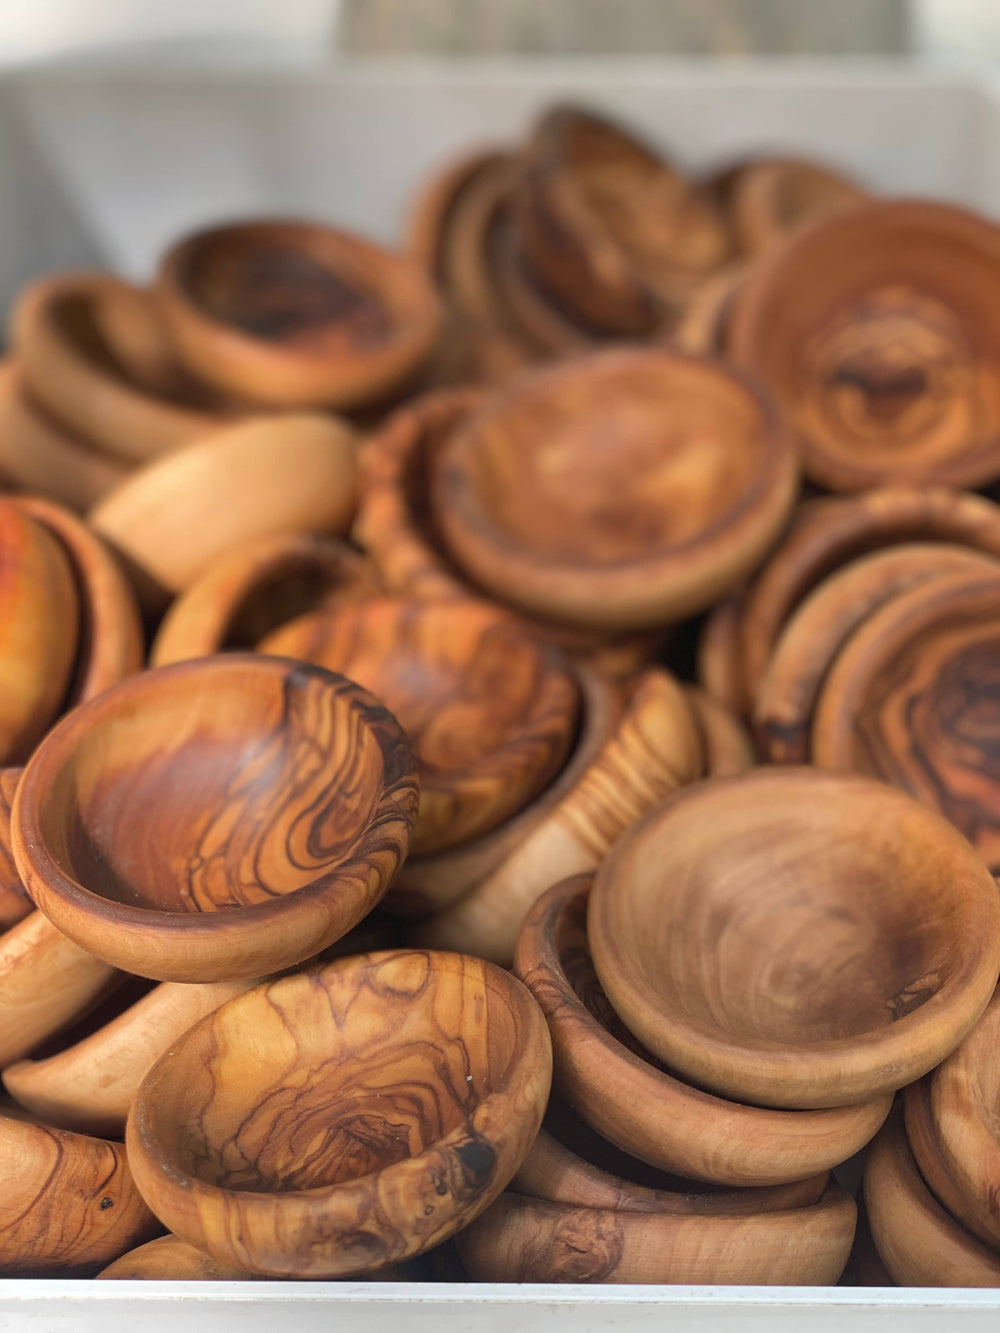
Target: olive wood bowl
x=521 y=490
x=630 y=1098
x=925 y=1145
x=654 y=749
x=437 y=204
x=920 y=1244
x=771 y=197
x=15 y=904
x=877 y=331
x=755 y=965
x=720 y=665
x=69 y=1205
x=39 y=618
x=726 y=743
x=823 y=623
x=110 y=645
x=260 y=478
x=520 y=1239
x=866 y=1268
x=257 y=587
x=548 y=330
x=39 y=454
x=70 y=369
x=129 y=322
x=344 y=1118
x=169 y=1259
x=491 y=714
x=217 y=819
x=827 y=533
x=289 y=314
x=909 y=701
x=701 y=329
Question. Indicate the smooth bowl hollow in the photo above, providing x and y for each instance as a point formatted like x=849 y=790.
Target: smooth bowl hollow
x=290 y=314
x=618 y=490
x=490 y=713
x=835 y=944
x=343 y=1118
x=216 y=819
x=635 y=1102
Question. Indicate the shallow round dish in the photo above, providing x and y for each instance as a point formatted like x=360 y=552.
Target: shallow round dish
x=216 y=819
x=343 y=1118
x=837 y=943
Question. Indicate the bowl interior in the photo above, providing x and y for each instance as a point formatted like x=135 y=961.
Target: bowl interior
x=205 y=790
x=329 y=1076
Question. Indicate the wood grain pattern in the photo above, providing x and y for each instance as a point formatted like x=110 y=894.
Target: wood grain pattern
x=129 y=322
x=296 y=315
x=490 y=713
x=726 y=742
x=925 y=1145
x=910 y=700
x=876 y=330
x=72 y=372
x=824 y=622
x=216 y=819
x=257 y=587
x=437 y=203
x=534 y=1240
x=771 y=197
x=655 y=749
x=920 y=1244
x=168 y=1259
x=630 y=1098
x=755 y=966
x=15 y=904
x=344 y=1118
x=69 y=1203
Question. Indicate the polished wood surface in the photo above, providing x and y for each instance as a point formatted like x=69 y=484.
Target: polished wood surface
x=727 y=744
x=634 y=1101
x=216 y=819
x=925 y=1145
x=720 y=661
x=771 y=197
x=491 y=715
x=752 y=963
x=344 y=1118
x=618 y=490
x=168 y=1259
x=15 y=904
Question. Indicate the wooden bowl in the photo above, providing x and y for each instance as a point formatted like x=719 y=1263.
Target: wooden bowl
x=38 y=454
x=753 y=965
x=701 y=330
x=925 y=1145
x=261 y=478
x=654 y=749
x=725 y=741
x=909 y=700
x=72 y=372
x=701 y=473
x=15 y=904
x=289 y=314
x=69 y=1203
x=827 y=533
x=110 y=645
x=438 y=202
x=257 y=587
x=627 y=1096
x=545 y=328
x=876 y=330
x=169 y=1259
x=129 y=322
x=720 y=664
x=824 y=622
x=866 y=1268
x=771 y=197
x=491 y=714
x=344 y=1118
x=521 y=1239
x=920 y=1244
x=216 y=819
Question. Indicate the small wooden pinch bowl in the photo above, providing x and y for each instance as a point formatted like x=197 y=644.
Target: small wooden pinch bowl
x=633 y=1101
x=340 y=1119
x=257 y=587
x=217 y=819
x=725 y=740
x=69 y=1205
x=920 y=1244
x=835 y=945
x=520 y=1239
x=654 y=749
x=877 y=331
x=618 y=490
x=910 y=700
x=922 y=1136
x=73 y=373
x=773 y=196
x=291 y=314
x=822 y=624
x=491 y=714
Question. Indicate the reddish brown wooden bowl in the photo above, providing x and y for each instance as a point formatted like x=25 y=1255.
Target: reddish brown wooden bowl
x=491 y=714
x=216 y=819
x=877 y=331
x=343 y=1118
x=257 y=587
x=771 y=197
x=752 y=963
x=290 y=314
x=437 y=204
x=634 y=1101
x=616 y=491
x=910 y=700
